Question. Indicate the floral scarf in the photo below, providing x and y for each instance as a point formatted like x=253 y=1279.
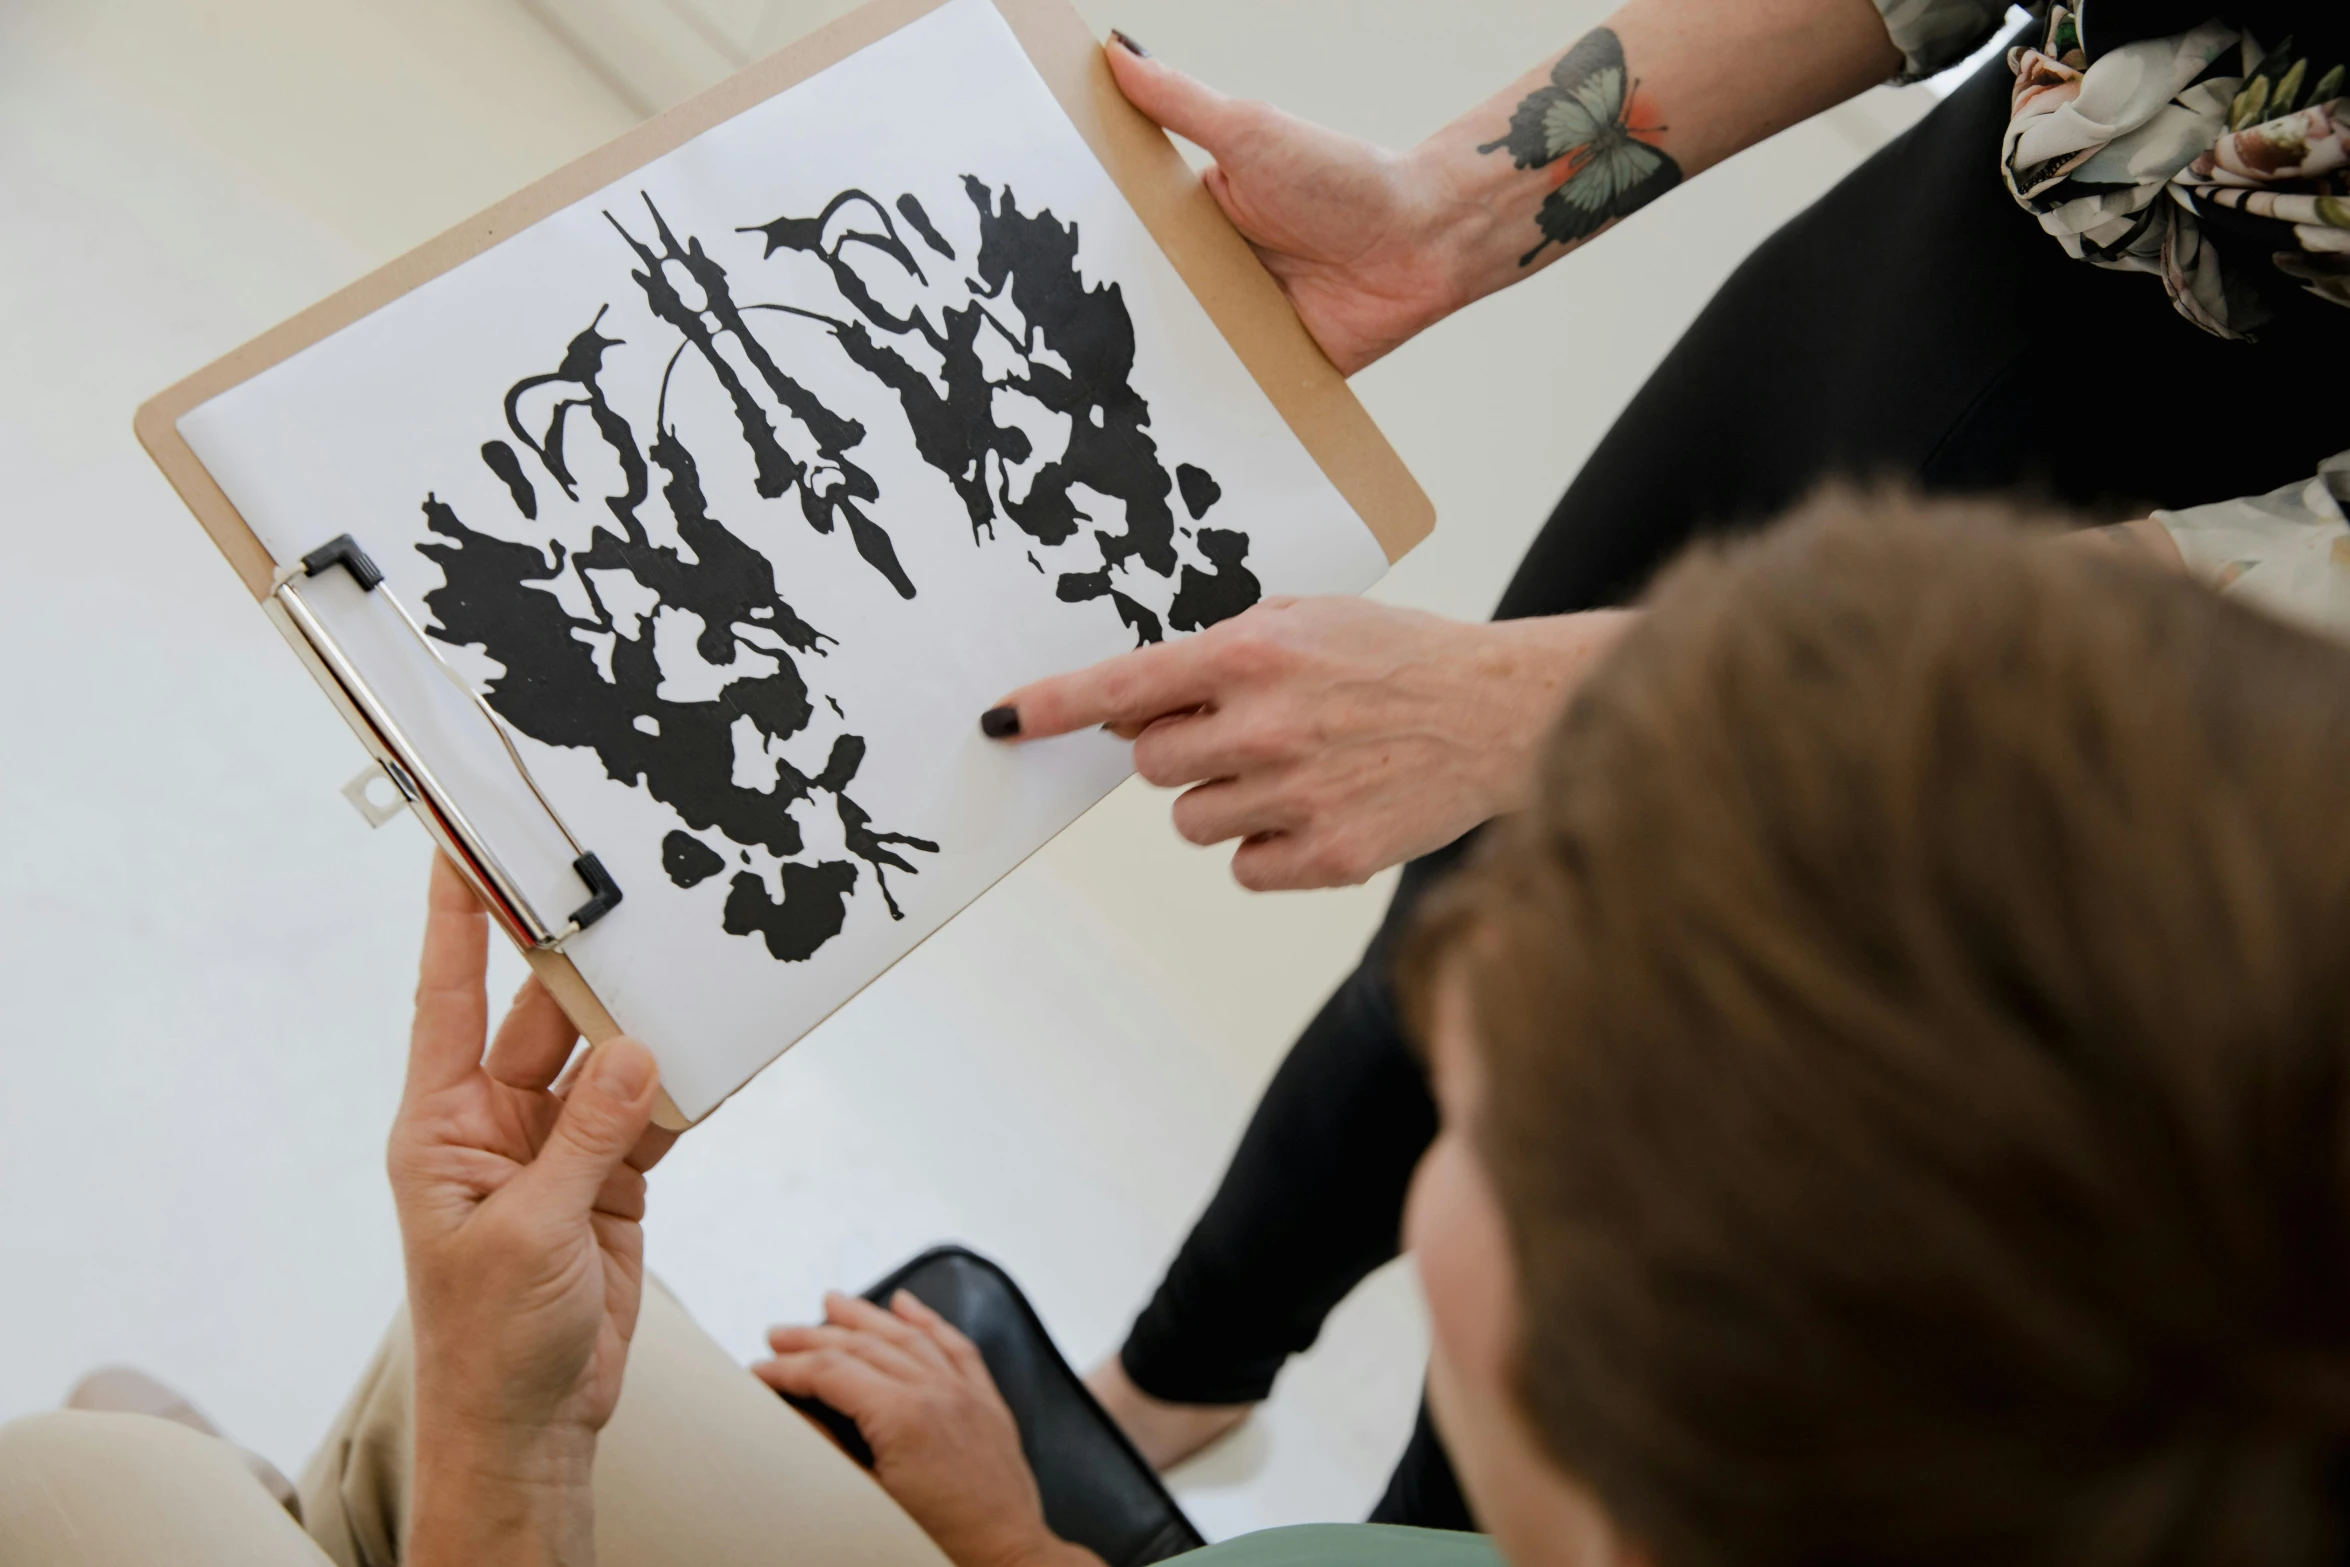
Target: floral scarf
x=2163 y=153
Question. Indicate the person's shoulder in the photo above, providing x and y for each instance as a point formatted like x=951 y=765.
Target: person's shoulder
x=1348 y=1545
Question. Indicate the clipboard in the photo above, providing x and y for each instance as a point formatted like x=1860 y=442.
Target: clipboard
x=1207 y=253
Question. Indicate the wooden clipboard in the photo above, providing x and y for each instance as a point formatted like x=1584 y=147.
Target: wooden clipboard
x=1213 y=260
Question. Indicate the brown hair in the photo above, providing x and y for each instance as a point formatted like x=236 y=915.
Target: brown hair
x=1915 y=1015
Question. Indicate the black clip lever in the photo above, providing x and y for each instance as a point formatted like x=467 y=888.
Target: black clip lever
x=344 y=551
x=604 y=892
x=607 y=891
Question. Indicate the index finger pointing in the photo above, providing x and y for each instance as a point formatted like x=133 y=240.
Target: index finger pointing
x=1130 y=689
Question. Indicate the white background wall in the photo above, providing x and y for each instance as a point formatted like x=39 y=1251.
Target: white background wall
x=205 y=957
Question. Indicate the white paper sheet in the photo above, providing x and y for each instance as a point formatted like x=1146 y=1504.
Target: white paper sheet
x=940 y=466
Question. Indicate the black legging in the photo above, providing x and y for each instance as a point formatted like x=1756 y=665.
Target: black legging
x=1912 y=324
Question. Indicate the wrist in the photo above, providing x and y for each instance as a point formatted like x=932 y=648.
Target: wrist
x=550 y=1462
x=485 y=1503
x=473 y=1450
x=472 y=1407
x=1440 y=220
x=538 y=1455
x=1535 y=665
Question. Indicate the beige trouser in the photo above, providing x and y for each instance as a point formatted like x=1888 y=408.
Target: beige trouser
x=701 y=1465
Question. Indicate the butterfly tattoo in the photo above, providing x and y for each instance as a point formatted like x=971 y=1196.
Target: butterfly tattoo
x=1583 y=118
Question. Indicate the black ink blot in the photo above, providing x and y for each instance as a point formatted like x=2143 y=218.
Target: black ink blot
x=1076 y=587
x=814 y=906
x=1203 y=599
x=1199 y=487
x=919 y=220
x=508 y=468
x=689 y=861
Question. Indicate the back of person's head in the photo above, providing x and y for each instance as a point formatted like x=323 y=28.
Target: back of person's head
x=1915 y=1018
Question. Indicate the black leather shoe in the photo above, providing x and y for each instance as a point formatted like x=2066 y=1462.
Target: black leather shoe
x=1098 y=1492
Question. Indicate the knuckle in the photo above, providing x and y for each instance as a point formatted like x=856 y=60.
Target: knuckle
x=1251 y=121
x=834 y=1370
x=1248 y=656
x=1341 y=862
x=1155 y=761
x=1259 y=740
x=583 y=1116
x=1316 y=870
x=1195 y=820
x=1256 y=871
x=1316 y=801
x=590 y=1129
x=625 y=1195
x=1251 y=635
x=1123 y=679
x=1295 y=862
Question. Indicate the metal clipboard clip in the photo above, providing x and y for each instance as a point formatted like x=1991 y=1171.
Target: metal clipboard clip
x=401 y=762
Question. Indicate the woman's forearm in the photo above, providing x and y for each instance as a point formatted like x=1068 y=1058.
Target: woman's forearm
x=1661 y=91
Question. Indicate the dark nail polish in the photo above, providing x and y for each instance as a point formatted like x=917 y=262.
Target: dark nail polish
x=1128 y=44
x=1000 y=723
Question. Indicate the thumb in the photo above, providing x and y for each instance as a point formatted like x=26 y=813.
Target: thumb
x=604 y=1115
x=1190 y=108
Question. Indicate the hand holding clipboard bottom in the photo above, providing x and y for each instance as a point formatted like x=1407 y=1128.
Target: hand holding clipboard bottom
x=520 y=1214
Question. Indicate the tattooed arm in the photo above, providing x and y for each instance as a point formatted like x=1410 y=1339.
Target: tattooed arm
x=1336 y=737
x=1373 y=246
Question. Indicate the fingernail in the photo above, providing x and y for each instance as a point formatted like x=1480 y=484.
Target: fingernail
x=1128 y=44
x=1000 y=723
x=623 y=1067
